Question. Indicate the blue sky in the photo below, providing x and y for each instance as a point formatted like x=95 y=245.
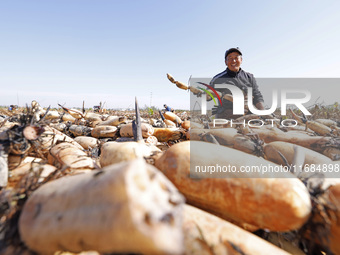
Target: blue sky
x=67 y=51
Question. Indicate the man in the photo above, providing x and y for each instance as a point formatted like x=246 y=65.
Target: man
x=168 y=108
x=236 y=76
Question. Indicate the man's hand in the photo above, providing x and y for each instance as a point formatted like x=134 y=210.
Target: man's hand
x=211 y=92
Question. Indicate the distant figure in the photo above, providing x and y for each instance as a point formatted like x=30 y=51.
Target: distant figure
x=168 y=108
x=12 y=107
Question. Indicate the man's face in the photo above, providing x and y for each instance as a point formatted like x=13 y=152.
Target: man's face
x=234 y=61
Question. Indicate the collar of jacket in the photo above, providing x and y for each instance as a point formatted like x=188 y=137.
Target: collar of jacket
x=232 y=73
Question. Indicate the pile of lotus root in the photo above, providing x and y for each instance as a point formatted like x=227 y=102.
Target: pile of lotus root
x=77 y=182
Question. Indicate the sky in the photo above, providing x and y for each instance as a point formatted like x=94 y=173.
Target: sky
x=70 y=51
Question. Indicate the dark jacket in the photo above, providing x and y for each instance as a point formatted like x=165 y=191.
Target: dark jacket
x=241 y=79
